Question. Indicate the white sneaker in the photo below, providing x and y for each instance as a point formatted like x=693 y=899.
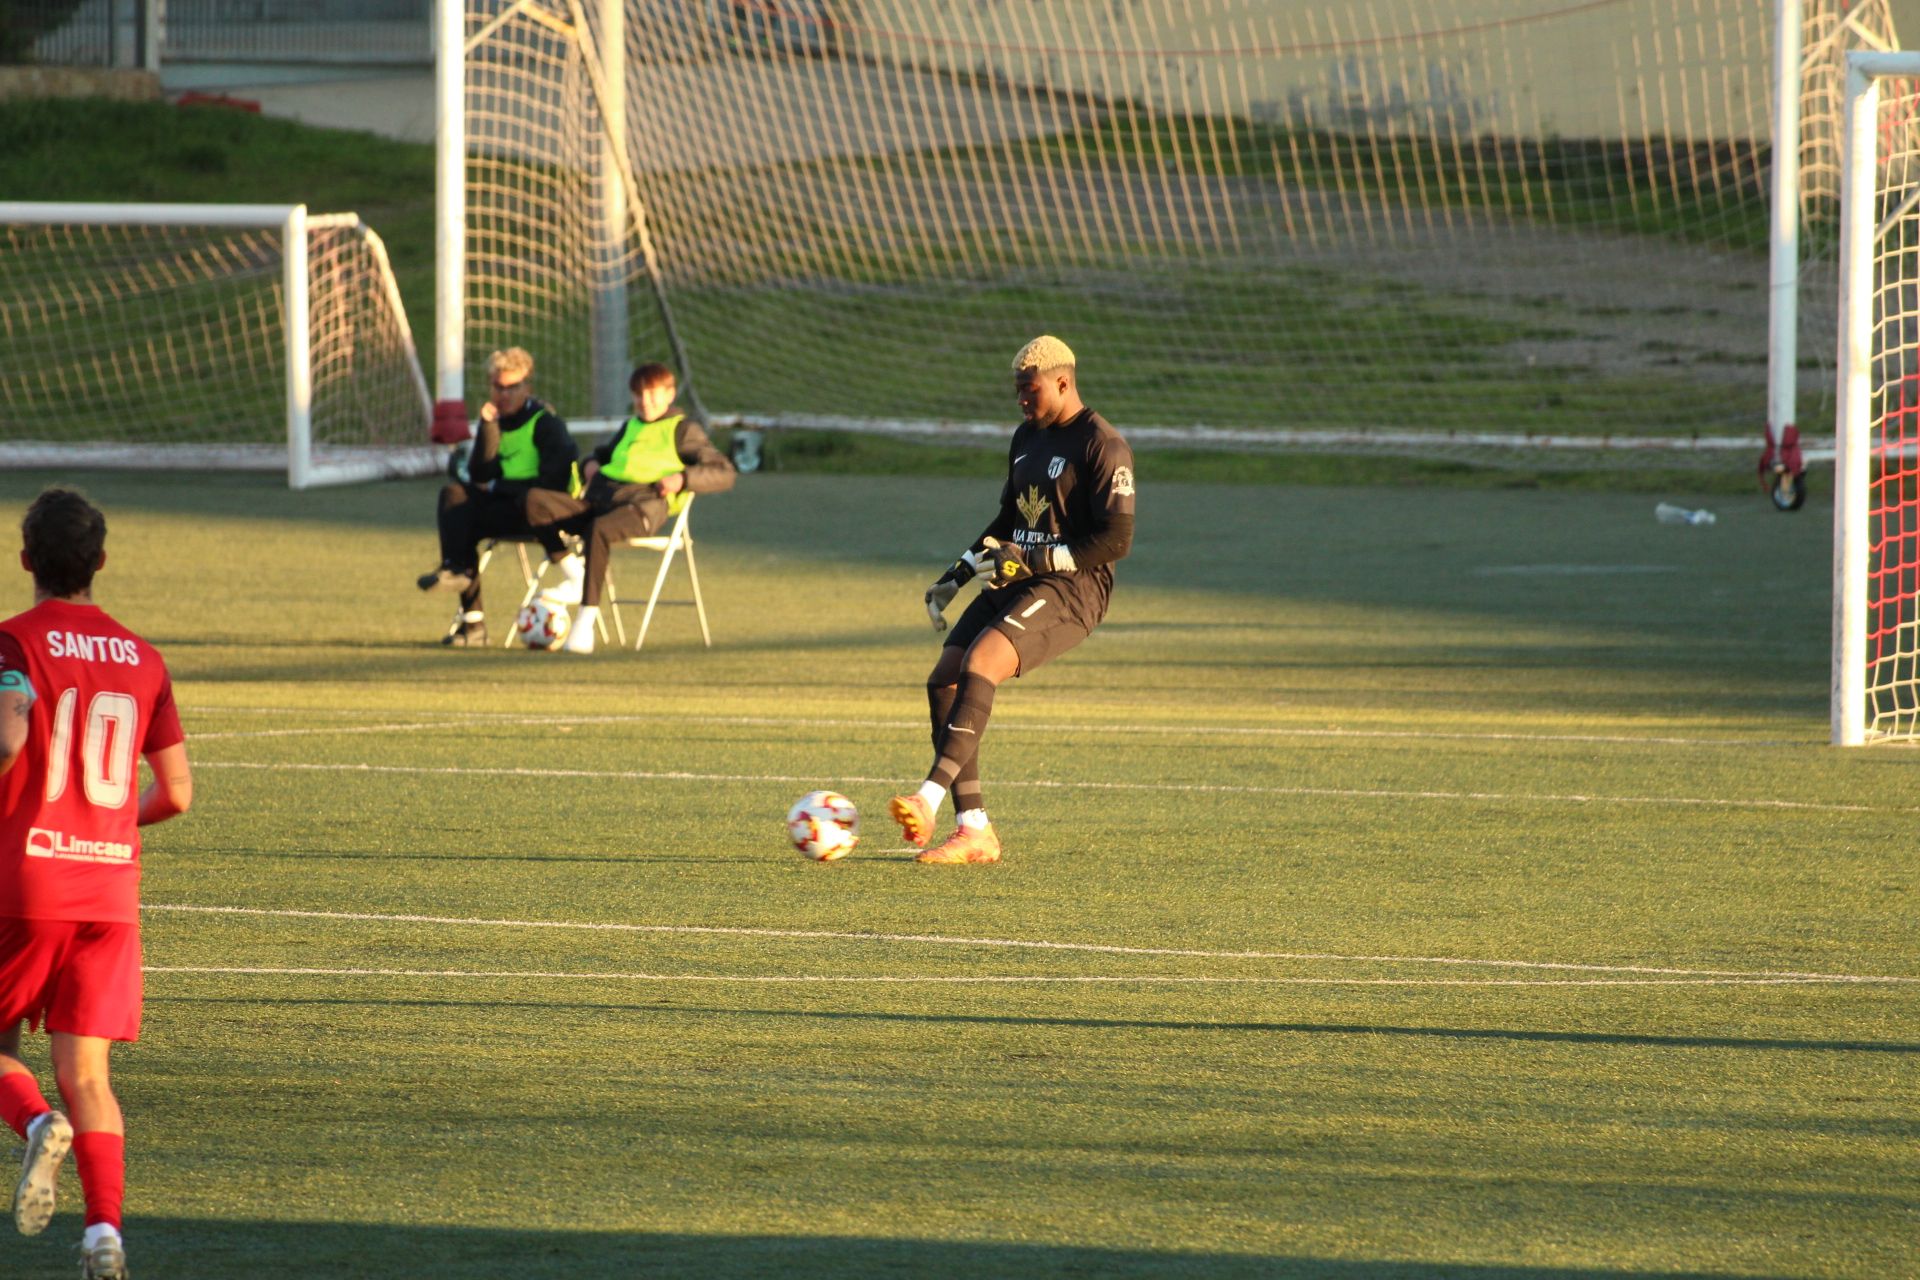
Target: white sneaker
x=573 y=578
x=48 y=1138
x=105 y=1258
x=583 y=633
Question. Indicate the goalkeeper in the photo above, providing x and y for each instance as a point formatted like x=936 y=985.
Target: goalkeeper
x=1046 y=568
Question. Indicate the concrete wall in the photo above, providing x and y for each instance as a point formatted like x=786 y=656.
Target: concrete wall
x=78 y=82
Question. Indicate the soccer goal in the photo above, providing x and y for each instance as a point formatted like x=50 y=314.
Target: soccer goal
x=1876 y=522
x=251 y=337
x=1494 y=229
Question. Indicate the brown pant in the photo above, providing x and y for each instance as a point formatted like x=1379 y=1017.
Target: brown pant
x=607 y=516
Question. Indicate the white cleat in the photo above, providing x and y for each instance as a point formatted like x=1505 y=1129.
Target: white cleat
x=48 y=1138
x=105 y=1258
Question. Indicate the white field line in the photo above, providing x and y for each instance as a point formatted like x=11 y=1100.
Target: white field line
x=454 y=720
x=950 y=940
x=1568 y=570
x=1340 y=438
x=1179 y=788
x=412 y=727
x=989 y=979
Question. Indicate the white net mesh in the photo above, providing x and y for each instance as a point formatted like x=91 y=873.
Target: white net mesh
x=164 y=345
x=1893 y=507
x=1315 y=225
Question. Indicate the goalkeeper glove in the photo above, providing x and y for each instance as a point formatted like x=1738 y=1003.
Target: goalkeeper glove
x=1002 y=563
x=942 y=592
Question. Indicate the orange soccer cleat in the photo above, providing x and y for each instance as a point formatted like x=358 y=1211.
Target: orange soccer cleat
x=965 y=845
x=915 y=817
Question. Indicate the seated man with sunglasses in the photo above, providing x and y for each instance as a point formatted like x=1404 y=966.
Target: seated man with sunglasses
x=522 y=447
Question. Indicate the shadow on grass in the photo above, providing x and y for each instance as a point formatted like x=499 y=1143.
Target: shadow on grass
x=1509 y=1034
x=215 y=1250
x=1402 y=565
x=1380 y=547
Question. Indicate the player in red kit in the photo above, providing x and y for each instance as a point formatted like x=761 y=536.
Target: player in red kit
x=80 y=698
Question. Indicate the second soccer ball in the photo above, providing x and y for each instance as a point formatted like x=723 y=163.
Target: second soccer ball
x=542 y=625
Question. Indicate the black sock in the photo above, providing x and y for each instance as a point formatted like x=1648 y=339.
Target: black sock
x=967 y=793
x=939 y=705
x=958 y=740
x=966 y=784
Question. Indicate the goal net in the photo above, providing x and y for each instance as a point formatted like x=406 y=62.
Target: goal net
x=1342 y=226
x=1876 y=590
x=191 y=337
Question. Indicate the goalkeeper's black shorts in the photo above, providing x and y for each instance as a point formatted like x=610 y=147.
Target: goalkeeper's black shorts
x=1043 y=617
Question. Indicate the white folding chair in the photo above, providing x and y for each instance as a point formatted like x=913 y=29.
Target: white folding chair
x=487 y=548
x=677 y=540
x=533 y=571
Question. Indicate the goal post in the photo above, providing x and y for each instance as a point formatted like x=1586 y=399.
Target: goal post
x=1811 y=38
x=450 y=425
x=1782 y=464
x=1509 y=231
x=219 y=337
x=545 y=238
x=1876 y=518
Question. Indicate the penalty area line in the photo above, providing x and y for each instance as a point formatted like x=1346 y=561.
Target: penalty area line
x=459 y=719
x=1178 y=788
x=767 y=979
x=949 y=940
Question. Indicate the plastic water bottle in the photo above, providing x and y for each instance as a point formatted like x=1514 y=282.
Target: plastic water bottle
x=1667 y=513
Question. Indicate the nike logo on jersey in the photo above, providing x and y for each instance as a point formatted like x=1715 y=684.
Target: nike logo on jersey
x=1017 y=457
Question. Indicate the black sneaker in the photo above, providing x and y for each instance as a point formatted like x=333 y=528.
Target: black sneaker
x=445 y=576
x=468 y=635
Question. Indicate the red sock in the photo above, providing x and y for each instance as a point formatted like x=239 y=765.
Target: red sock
x=102 y=1160
x=21 y=1101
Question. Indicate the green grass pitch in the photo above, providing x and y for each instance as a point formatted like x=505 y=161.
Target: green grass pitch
x=1402 y=883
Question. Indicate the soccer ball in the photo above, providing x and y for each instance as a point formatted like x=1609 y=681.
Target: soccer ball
x=824 y=825
x=542 y=625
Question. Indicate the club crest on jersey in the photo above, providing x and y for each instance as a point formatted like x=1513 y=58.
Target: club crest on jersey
x=1123 y=482
x=1054 y=467
x=1032 y=505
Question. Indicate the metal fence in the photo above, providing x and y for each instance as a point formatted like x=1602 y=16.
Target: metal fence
x=72 y=33
x=127 y=33
x=348 y=31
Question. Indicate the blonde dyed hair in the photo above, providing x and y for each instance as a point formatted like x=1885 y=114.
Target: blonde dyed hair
x=1043 y=354
x=514 y=365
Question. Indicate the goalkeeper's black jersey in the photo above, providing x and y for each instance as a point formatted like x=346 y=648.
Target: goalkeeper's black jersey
x=1065 y=486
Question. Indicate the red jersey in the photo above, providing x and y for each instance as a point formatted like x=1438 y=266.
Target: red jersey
x=69 y=840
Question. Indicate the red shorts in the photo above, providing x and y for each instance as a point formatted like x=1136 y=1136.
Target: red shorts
x=81 y=979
